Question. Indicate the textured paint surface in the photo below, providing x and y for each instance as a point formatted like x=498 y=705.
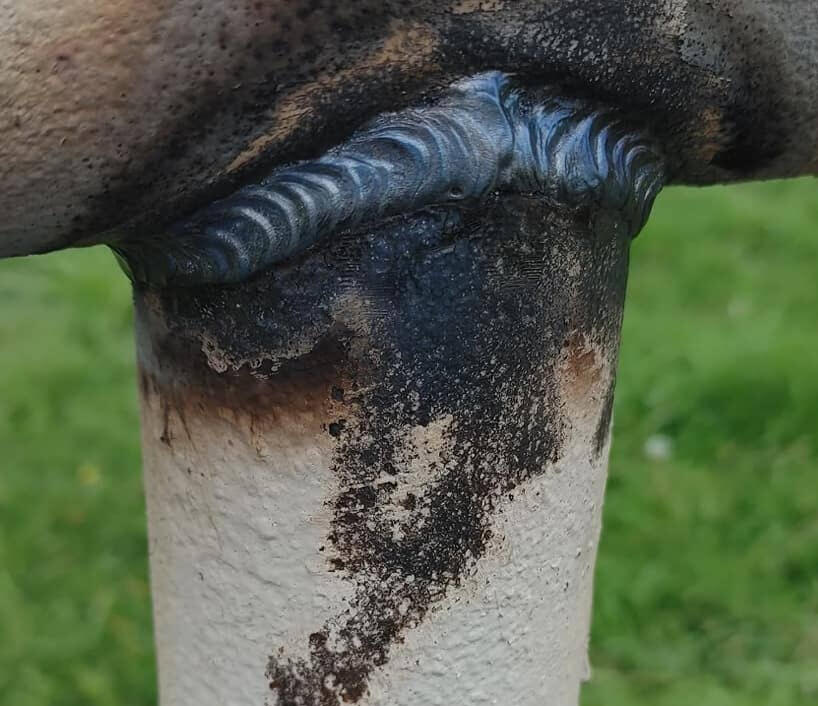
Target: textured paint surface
x=482 y=137
x=434 y=397
x=128 y=115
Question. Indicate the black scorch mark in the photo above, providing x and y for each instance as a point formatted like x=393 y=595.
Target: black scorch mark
x=473 y=274
x=471 y=319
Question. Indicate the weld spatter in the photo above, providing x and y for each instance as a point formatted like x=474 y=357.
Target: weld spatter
x=482 y=136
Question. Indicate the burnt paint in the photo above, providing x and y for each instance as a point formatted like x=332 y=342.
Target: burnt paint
x=295 y=394
x=467 y=315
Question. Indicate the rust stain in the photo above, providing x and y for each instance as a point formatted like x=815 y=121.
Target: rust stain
x=587 y=382
x=712 y=134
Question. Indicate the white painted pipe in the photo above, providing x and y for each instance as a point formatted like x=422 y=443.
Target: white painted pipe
x=363 y=488
x=238 y=516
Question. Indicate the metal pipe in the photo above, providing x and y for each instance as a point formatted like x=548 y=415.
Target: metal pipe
x=375 y=472
x=121 y=117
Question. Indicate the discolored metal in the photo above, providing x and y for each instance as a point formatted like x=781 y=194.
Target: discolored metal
x=483 y=137
x=430 y=373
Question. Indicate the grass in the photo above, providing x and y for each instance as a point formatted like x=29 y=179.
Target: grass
x=707 y=582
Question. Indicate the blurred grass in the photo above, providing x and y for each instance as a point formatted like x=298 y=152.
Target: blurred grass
x=707 y=582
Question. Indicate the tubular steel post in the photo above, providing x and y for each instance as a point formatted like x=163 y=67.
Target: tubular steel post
x=378 y=299
x=375 y=472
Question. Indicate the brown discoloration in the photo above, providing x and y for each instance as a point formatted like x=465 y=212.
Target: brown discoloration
x=408 y=45
x=293 y=397
x=582 y=368
x=587 y=377
x=713 y=134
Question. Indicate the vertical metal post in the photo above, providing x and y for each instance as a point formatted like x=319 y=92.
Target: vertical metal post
x=375 y=473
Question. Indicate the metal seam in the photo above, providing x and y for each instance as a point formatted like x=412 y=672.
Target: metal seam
x=481 y=137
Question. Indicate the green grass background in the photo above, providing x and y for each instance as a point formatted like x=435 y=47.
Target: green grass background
x=707 y=581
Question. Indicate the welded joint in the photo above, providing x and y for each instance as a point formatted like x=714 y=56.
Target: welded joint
x=483 y=136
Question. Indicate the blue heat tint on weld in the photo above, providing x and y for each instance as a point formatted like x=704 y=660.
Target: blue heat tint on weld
x=481 y=137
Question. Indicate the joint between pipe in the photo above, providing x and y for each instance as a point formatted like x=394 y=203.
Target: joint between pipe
x=483 y=136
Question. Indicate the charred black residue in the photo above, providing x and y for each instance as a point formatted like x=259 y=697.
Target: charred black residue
x=470 y=319
x=676 y=62
x=467 y=313
x=481 y=138
x=752 y=143
x=719 y=82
